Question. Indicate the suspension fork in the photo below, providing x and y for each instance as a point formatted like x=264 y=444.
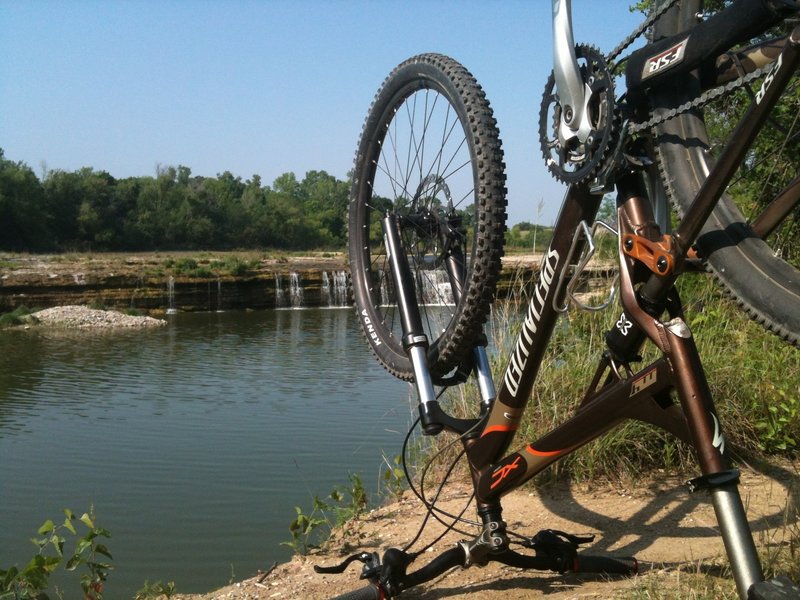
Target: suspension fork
x=675 y=340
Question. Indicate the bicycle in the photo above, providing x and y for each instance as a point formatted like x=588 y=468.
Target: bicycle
x=426 y=225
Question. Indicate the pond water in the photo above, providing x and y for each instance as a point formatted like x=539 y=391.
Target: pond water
x=193 y=442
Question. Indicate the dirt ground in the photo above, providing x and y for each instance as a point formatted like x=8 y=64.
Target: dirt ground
x=669 y=530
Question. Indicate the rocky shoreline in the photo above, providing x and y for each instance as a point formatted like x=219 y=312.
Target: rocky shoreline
x=83 y=317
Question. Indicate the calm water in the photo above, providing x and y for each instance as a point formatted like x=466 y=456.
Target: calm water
x=193 y=442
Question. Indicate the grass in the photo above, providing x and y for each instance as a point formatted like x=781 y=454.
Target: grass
x=18 y=316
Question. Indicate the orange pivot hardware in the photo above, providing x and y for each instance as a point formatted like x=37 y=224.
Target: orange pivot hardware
x=656 y=256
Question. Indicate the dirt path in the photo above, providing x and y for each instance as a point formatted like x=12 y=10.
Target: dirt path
x=670 y=531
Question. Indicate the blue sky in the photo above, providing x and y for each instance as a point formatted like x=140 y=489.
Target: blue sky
x=264 y=87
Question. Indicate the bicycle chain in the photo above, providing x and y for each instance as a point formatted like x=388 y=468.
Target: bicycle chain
x=648 y=22
x=700 y=101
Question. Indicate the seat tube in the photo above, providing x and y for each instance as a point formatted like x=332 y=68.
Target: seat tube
x=709 y=442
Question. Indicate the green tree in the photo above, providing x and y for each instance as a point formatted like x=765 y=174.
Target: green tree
x=22 y=218
x=62 y=201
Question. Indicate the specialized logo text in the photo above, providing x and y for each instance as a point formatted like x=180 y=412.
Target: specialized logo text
x=520 y=356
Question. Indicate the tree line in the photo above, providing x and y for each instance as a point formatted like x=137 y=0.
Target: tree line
x=91 y=210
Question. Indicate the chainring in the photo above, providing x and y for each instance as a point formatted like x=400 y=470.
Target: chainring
x=577 y=157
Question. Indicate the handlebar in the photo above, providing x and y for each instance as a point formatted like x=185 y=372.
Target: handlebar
x=370 y=592
x=606 y=564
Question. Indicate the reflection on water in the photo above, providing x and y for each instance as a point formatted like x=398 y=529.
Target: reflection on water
x=195 y=441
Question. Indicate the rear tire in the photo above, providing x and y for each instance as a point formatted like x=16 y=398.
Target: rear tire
x=760 y=275
x=430 y=149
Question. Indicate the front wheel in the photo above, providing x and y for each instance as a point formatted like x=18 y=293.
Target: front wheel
x=430 y=153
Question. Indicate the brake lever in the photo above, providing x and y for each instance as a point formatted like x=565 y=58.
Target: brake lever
x=371 y=562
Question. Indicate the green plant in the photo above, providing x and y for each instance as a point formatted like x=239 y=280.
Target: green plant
x=234 y=265
x=781 y=423
x=18 y=316
x=349 y=501
x=32 y=581
x=394 y=478
x=344 y=503
x=304 y=526
x=151 y=591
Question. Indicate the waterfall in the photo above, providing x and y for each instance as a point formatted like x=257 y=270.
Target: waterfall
x=279 y=298
x=295 y=290
x=333 y=289
x=171 y=310
x=435 y=289
x=340 y=289
x=219 y=295
x=325 y=290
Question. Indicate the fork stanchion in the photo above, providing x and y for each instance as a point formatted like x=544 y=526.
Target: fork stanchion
x=415 y=342
x=483 y=375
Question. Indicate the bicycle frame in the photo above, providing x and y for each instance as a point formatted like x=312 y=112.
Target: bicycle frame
x=650 y=263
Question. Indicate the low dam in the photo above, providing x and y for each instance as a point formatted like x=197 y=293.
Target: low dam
x=142 y=282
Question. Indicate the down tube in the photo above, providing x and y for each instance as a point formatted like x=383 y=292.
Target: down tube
x=523 y=365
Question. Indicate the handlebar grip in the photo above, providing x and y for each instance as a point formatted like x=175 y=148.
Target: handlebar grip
x=370 y=592
x=606 y=564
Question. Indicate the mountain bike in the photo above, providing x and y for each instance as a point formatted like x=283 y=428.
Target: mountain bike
x=709 y=99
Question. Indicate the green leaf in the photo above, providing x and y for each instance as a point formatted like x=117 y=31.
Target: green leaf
x=73 y=562
x=51 y=563
x=101 y=549
x=47 y=527
x=9 y=576
x=37 y=562
x=41 y=543
x=58 y=544
x=87 y=520
x=82 y=545
x=99 y=566
x=70 y=527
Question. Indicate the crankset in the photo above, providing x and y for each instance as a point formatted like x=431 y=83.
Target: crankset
x=575 y=154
